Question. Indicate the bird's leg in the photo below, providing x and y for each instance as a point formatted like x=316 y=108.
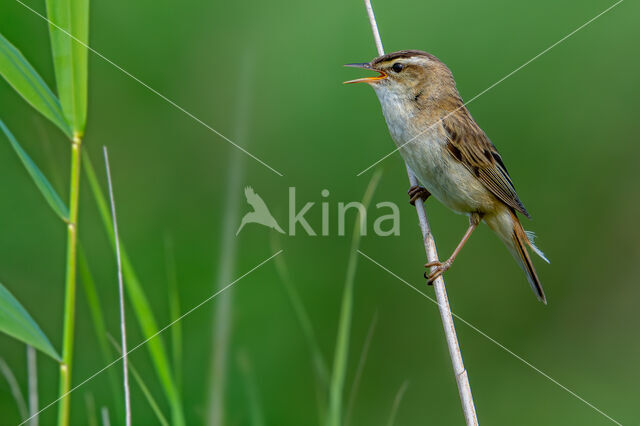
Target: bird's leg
x=418 y=192
x=441 y=267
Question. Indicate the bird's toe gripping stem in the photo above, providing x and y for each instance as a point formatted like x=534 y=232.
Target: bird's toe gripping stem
x=417 y=192
x=439 y=269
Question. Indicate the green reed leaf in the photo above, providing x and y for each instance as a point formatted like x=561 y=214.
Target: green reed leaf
x=49 y=194
x=16 y=322
x=19 y=73
x=69 y=32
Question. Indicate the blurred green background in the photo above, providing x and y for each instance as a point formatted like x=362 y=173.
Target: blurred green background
x=566 y=126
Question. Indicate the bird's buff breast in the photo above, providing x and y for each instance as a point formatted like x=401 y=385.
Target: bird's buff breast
x=422 y=144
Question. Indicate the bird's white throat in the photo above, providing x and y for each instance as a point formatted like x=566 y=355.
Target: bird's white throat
x=397 y=112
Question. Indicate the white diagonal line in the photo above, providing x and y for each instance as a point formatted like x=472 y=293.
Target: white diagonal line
x=493 y=85
x=501 y=346
x=151 y=89
x=88 y=379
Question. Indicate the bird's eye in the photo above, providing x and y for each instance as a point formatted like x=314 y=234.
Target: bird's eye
x=397 y=67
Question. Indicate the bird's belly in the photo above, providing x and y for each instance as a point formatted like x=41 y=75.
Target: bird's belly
x=424 y=148
x=446 y=179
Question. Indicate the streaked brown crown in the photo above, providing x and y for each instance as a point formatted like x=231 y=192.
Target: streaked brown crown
x=422 y=76
x=402 y=54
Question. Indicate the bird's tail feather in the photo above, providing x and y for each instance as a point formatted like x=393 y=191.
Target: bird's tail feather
x=508 y=227
x=531 y=236
x=520 y=241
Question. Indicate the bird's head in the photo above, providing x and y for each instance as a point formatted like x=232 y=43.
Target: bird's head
x=408 y=74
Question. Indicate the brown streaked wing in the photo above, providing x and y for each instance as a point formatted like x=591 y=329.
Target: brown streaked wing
x=471 y=146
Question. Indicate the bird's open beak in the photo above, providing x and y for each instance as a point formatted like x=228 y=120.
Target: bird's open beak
x=382 y=75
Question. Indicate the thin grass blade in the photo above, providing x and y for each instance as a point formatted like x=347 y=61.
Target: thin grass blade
x=222 y=314
x=123 y=324
x=174 y=311
x=143 y=387
x=140 y=303
x=361 y=363
x=396 y=402
x=341 y=354
x=20 y=75
x=105 y=416
x=47 y=191
x=90 y=407
x=32 y=377
x=97 y=317
x=253 y=395
x=320 y=365
x=69 y=32
x=16 y=322
x=318 y=360
x=15 y=388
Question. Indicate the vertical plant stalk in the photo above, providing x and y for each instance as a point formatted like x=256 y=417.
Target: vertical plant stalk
x=396 y=402
x=99 y=327
x=70 y=284
x=14 y=387
x=140 y=304
x=462 y=379
x=341 y=355
x=353 y=393
x=32 y=374
x=318 y=361
x=90 y=406
x=123 y=327
x=221 y=324
x=143 y=387
x=105 y=416
x=174 y=311
x=251 y=388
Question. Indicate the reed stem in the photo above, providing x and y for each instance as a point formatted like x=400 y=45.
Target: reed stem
x=462 y=379
x=70 y=284
x=123 y=327
x=32 y=375
x=223 y=311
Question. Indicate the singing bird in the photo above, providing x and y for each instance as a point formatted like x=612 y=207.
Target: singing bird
x=260 y=213
x=448 y=152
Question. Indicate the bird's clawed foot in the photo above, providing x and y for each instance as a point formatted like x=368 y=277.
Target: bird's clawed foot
x=417 y=192
x=440 y=268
